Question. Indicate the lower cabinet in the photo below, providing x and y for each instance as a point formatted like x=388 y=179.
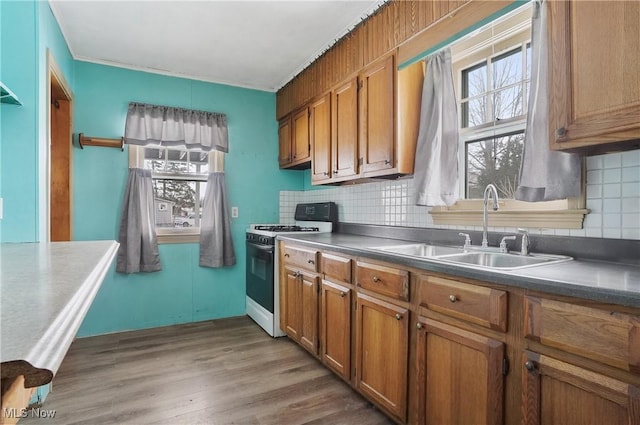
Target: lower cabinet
x=335 y=324
x=555 y=392
x=301 y=312
x=382 y=345
x=460 y=379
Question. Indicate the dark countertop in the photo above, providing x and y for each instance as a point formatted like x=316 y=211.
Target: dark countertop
x=600 y=281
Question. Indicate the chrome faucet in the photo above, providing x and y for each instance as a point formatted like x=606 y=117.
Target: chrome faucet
x=489 y=190
x=524 y=247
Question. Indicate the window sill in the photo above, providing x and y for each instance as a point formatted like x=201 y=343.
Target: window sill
x=178 y=236
x=563 y=214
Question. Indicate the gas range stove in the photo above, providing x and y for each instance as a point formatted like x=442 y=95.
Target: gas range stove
x=262 y=260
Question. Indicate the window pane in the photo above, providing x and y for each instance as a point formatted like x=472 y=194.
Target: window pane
x=178 y=202
x=177 y=161
x=507 y=69
x=474 y=112
x=507 y=103
x=198 y=162
x=496 y=160
x=154 y=159
x=474 y=80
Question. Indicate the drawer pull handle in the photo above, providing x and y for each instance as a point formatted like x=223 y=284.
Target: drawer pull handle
x=398 y=316
x=311 y=262
x=530 y=366
x=286 y=255
x=419 y=325
x=376 y=279
x=342 y=294
x=453 y=298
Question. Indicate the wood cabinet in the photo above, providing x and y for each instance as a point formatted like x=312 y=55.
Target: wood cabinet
x=577 y=381
x=382 y=344
x=556 y=392
x=284 y=142
x=294 y=140
x=335 y=314
x=594 y=57
x=320 y=135
x=335 y=324
x=300 y=314
x=460 y=379
x=431 y=348
x=376 y=112
x=299 y=289
x=344 y=131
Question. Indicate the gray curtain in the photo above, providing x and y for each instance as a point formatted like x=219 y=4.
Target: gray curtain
x=545 y=175
x=167 y=126
x=138 y=251
x=216 y=245
x=436 y=162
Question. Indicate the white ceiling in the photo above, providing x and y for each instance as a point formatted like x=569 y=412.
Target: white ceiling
x=254 y=44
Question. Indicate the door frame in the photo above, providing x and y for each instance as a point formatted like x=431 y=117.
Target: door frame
x=62 y=87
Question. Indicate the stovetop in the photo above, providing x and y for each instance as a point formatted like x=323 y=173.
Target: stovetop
x=285 y=228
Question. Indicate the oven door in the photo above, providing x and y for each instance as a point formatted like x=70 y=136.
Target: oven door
x=260 y=274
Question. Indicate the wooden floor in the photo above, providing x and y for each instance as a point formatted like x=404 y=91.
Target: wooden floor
x=218 y=372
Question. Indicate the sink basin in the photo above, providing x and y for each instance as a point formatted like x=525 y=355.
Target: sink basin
x=503 y=261
x=420 y=250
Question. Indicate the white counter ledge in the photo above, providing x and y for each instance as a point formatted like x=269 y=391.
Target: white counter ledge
x=46 y=290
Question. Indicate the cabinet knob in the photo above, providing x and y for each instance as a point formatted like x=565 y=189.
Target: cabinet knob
x=561 y=132
x=286 y=255
x=376 y=279
x=530 y=366
x=387 y=162
x=398 y=316
x=419 y=325
x=453 y=298
x=342 y=294
x=311 y=262
x=335 y=171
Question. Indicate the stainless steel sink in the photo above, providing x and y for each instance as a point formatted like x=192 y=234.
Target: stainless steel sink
x=420 y=250
x=503 y=261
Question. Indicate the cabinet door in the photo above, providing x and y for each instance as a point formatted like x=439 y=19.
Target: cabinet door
x=460 y=377
x=335 y=319
x=382 y=340
x=309 y=312
x=284 y=140
x=555 y=392
x=376 y=114
x=320 y=130
x=300 y=136
x=594 y=50
x=344 y=149
x=293 y=307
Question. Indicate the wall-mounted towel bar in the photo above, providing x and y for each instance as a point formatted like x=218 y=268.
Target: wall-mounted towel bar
x=97 y=141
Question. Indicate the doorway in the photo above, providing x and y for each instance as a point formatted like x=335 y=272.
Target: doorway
x=61 y=155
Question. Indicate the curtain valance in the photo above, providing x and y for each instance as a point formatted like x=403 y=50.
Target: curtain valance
x=169 y=126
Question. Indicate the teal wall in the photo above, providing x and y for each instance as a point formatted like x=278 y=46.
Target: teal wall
x=28 y=29
x=19 y=72
x=182 y=291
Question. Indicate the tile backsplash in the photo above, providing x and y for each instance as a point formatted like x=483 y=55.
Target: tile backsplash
x=613 y=198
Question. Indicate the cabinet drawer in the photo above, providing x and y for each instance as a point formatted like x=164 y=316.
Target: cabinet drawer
x=301 y=257
x=336 y=268
x=383 y=280
x=477 y=304
x=609 y=337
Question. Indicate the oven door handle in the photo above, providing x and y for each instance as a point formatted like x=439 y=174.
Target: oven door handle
x=265 y=248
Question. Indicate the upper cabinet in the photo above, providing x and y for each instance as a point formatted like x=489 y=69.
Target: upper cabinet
x=594 y=68
x=376 y=113
x=373 y=121
x=294 y=141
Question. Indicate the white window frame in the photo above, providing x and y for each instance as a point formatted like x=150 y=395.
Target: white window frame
x=563 y=214
x=176 y=234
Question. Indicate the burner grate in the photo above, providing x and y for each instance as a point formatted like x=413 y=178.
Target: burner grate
x=285 y=228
